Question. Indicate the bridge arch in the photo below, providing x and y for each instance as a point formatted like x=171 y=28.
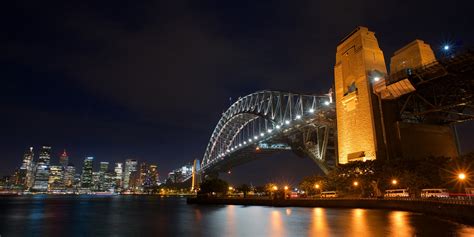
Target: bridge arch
x=270 y=117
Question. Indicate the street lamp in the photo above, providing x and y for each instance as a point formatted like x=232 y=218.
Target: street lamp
x=461 y=176
x=394 y=181
x=275 y=188
x=356 y=183
x=316 y=186
x=286 y=188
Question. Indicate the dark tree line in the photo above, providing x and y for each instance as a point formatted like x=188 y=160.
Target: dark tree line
x=374 y=177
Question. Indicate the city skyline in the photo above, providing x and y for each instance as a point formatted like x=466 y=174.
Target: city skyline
x=169 y=77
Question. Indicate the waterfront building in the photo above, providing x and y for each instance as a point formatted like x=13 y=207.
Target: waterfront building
x=27 y=169
x=96 y=181
x=103 y=169
x=178 y=175
x=86 y=178
x=56 y=178
x=69 y=174
x=118 y=170
x=153 y=176
x=130 y=166
x=42 y=170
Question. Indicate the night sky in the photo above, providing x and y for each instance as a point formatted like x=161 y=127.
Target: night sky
x=149 y=79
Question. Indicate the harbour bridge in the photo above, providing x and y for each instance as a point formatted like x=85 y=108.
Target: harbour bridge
x=410 y=111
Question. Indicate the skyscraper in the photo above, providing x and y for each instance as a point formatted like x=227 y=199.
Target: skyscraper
x=56 y=179
x=118 y=175
x=103 y=169
x=86 y=178
x=64 y=159
x=69 y=174
x=130 y=166
x=27 y=169
x=42 y=170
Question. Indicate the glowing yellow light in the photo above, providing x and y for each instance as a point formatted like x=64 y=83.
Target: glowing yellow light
x=275 y=187
x=462 y=176
x=231 y=188
x=356 y=183
x=286 y=187
x=394 y=181
x=316 y=186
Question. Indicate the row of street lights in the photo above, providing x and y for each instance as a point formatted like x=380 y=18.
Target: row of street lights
x=461 y=177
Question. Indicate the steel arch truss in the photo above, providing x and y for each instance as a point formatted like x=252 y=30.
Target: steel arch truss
x=266 y=117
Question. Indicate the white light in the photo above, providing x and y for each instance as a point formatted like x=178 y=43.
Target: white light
x=255 y=137
x=250 y=139
x=277 y=126
x=311 y=110
x=298 y=116
x=326 y=103
x=261 y=134
x=232 y=149
x=376 y=78
x=269 y=131
x=240 y=144
x=287 y=121
x=228 y=150
x=245 y=142
x=446 y=47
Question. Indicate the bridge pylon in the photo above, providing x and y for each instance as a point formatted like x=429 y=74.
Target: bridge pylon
x=359 y=61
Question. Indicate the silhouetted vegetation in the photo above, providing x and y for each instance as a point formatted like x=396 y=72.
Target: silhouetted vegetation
x=374 y=177
x=214 y=186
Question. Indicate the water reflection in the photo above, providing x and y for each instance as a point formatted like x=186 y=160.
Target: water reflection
x=153 y=216
x=399 y=225
x=319 y=226
x=277 y=227
x=359 y=222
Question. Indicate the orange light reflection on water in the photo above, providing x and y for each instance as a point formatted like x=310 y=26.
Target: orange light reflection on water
x=277 y=227
x=359 y=223
x=319 y=226
x=399 y=224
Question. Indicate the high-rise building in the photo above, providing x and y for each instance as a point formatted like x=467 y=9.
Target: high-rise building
x=27 y=169
x=64 y=159
x=42 y=170
x=153 y=176
x=69 y=174
x=56 y=179
x=118 y=175
x=86 y=178
x=130 y=166
x=103 y=169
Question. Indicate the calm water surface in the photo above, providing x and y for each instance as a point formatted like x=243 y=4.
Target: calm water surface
x=155 y=216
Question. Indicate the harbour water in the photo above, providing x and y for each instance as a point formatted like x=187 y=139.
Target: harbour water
x=160 y=216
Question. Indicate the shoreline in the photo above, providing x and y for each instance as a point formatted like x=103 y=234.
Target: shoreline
x=459 y=212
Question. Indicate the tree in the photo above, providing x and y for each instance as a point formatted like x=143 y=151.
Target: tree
x=244 y=188
x=214 y=186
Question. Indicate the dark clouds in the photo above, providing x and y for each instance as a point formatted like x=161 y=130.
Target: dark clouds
x=150 y=79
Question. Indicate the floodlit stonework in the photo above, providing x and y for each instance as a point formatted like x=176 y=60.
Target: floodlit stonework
x=359 y=61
